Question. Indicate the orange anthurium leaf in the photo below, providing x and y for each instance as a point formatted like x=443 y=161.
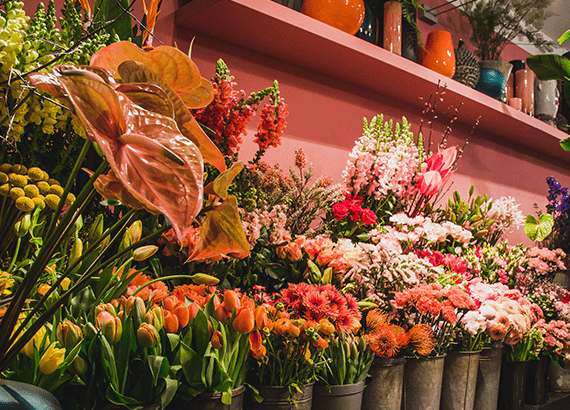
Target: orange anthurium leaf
x=198 y=97
x=148 y=96
x=94 y=102
x=175 y=67
x=221 y=234
x=135 y=72
x=221 y=184
x=110 y=187
x=156 y=164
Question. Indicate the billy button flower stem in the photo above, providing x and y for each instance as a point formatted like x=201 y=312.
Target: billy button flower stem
x=54 y=234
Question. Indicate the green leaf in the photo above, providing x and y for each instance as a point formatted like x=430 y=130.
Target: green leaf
x=83 y=302
x=109 y=363
x=550 y=67
x=564 y=37
x=158 y=367
x=538 y=230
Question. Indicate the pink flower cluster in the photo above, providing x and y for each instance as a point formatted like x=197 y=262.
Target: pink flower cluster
x=351 y=208
x=544 y=261
x=274 y=219
x=556 y=334
x=316 y=302
x=449 y=261
x=377 y=168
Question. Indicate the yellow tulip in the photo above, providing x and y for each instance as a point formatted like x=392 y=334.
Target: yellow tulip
x=34 y=341
x=65 y=282
x=51 y=359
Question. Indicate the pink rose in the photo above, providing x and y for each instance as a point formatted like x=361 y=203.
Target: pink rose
x=368 y=217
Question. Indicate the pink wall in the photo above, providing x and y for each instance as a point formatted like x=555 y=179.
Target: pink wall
x=326 y=117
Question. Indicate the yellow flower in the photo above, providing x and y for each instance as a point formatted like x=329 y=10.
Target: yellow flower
x=35 y=341
x=65 y=283
x=51 y=359
x=43 y=288
x=6 y=283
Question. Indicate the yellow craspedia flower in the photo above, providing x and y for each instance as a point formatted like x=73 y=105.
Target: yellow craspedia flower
x=25 y=204
x=31 y=190
x=6 y=283
x=20 y=169
x=46 y=176
x=17 y=179
x=70 y=199
x=56 y=189
x=16 y=193
x=35 y=174
x=51 y=359
x=3 y=177
x=39 y=201
x=52 y=201
x=6 y=168
x=52 y=181
x=36 y=341
x=43 y=187
x=5 y=189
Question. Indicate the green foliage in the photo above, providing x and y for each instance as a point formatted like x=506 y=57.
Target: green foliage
x=538 y=230
x=348 y=359
x=495 y=23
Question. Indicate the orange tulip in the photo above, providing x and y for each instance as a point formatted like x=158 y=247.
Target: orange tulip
x=231 y=300
x=244 y=322
x=193 y=310
x=171 y=323
x=262 y=321
x=169 y=302
x=222 y=313
x=255 y=340
x=259 y=354
x=182 y=314
x=217 y=340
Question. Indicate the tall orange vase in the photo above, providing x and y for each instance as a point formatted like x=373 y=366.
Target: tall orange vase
x=346 y=15
x=439 y=54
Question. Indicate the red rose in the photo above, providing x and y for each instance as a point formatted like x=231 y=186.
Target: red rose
x=368 y=217
x=340 y=210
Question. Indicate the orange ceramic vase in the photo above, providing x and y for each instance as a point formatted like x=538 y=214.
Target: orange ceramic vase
x=438 y=55
x=346 y=15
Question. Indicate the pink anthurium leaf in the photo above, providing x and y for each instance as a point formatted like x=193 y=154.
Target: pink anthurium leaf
x=220 y=185
x=148 y=96
x=93 y=101
x=175 y=67
x=110 y=187
x=161 y=174
x=221 y=234
x=135 y=72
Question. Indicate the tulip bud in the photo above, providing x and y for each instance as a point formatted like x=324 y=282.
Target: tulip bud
x=171 y=323
x=221 y=313
x=22 y=227
x=51 y=359
x=78 y=224
x=327 y=276
x=105 y=307
x=135 y=231
x=231 y=300
x=135 y=306
x=126 y=241
x=182 y=314
x=203 y=279
x=155 y=317
x=96 y=229
x=262 y=321
x=76 y=252
x=144 y=252
x=111 y=327
x=68 y=334
x=79 y=366
x=243 y=322
x=147 y=335
x=35 y=341
x=217 y=340
x=193 y=310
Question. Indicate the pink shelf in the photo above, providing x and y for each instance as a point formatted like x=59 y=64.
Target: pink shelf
x=271 y=29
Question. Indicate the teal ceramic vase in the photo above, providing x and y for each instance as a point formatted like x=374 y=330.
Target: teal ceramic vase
x=24 y=396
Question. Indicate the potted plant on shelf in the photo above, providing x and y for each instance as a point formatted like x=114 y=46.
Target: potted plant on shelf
x=495 y=24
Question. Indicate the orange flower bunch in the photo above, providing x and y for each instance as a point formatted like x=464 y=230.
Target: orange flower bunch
x=387 y=340
x=288 y=348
